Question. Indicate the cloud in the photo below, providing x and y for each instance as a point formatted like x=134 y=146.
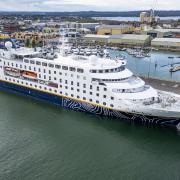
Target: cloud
x=80 y=5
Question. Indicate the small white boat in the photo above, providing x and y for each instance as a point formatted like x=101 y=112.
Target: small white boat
x=88 y=52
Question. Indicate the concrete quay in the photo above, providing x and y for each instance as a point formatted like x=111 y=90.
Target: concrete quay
x=164 y=85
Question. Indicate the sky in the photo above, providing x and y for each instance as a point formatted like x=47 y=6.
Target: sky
x=86 y=5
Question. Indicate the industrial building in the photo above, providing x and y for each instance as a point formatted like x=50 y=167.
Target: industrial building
x=166 y=43
x=96 y=38
x=114 y=29
x=162 y=33
x=130 y=39
x=123 y=39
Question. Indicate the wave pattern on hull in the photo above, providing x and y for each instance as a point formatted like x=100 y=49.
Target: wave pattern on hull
x=87 y=107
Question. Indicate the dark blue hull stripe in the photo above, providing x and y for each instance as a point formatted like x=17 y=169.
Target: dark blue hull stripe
x=86 y=107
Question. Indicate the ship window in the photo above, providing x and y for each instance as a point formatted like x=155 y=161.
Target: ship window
x=112 y=98
x=78 y=97
x=105 y=89
x=72 y=88
x=111 y=105
x=104 y=96
x=39 y=70
x=60 y=86
x=65 y=74
x=84 y=98
x=44 y=64
x=44 y=71
x=66 y=81
x=49 y=71
x=71 y=75
x=104 y=103
x=36 y=86
x=24 y=67
x=50 y=89
x=77 y=83
x=20 y=66
x=34 y=69
x=84 y=91
x=80 y=70
x=60 y=80
x=90 y=86
x=51 y=65
x=78 y=90
x=12 y=64
x=66 y=87
x=97 y=88
x=97 y=101
x=84 y=85
x=32 y=62
x=55 y=91
x=78 y=76
x=90 y=93
x=40 y=87
x=72 y=95
x=66 y=94
x=38 y=63
x=84 y=78
x=49 y=77
x=60 y=92
x=17 y=81
x=65 y=67
x=90 y=100
x=54 y=72
x=97 y=94
x=29 y=67
x=100 y=71
x=72 y=69
x=57 y=66
x=16 y=65
x=44 y=76
x=60 y=73
x=30 y=84
x=54 y=78
x=26 y=61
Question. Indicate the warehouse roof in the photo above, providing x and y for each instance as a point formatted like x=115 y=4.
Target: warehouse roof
x=96 y=36
x=175 y=40
x=163 y=30
x=130 y=36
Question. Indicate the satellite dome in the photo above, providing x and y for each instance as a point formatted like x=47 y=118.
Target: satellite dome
x=8 y=45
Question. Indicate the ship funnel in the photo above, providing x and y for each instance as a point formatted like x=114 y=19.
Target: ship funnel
x=93 y=59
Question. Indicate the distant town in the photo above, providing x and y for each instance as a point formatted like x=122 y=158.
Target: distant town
x=39 y=29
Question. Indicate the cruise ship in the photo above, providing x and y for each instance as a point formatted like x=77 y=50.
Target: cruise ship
x=102 y=86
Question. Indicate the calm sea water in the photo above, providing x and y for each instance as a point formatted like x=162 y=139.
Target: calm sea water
x=39 y=141
x=133 y=18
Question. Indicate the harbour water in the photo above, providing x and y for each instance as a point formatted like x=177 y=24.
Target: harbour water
x=156 y=66
x=42 y=141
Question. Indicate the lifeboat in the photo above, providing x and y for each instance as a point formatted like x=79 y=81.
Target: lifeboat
x=29 y=75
